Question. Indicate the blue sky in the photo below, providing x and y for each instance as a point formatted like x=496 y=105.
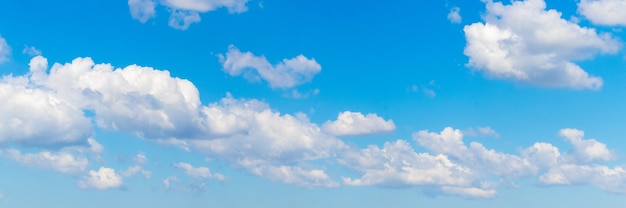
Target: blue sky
x=240 y=103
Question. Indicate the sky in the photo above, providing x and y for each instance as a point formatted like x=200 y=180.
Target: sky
x=263 y=103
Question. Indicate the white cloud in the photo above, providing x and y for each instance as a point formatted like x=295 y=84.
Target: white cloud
x=183 y=12
x=266 y=140
x=484 y=131
x=585 y=151
x=142 y=10
x=398 y=165
x=63 y=162
x=182 y=19
x=5 y=50
x=454 y=16
x=286 y=74
x=450 y=142
x=526 y=43
x=355 y=123
x=298 y=176
x=295 y=94
x=604 y=12
x=31 y=51
x=469 y=192
x=609 y=179
x=233 y=6
x=134 y=170
x=35 y=117
x=169 y=181
x=153 y=105
x=199 y=172
x=104 y=178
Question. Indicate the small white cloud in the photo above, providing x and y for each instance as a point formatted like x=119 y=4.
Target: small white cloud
x=31 y=51
x=355 y=123
x=134 y=170
x=586 y=150
x=295 y=94
x=183 y=12
x=5 y=50
x=104 y=178
x=469 y=192
x=182 y=144
x=182 y=19
x=398 y=165
x=140 y=159
x=604 y=12
x=199 y=172
x=286 y=74
x=298 y=176
x=142 y=10
x=62 y=162
x=484 y=131
x=454 y=16
x=169 y=182
x=526 y=43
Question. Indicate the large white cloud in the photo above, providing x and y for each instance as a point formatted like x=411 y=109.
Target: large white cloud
x=286 y=74
x=35 y=117
x=355 y=123
x=104 y=178
x=604 y=12
x=183 y=13
x=268 y=141
x=526 y=43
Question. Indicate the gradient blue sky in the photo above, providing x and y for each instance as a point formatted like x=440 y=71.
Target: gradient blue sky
x=247 y=103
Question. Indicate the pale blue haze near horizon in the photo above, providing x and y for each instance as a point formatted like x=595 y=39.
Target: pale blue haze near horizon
x=263 y=103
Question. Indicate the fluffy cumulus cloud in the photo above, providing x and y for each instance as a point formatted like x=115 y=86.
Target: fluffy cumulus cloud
x=355 y=123
x=36 y=117
x=526 y=43
x=183 y=13
x=199 y=172
x=104 y=178
x=153 y=105
x=604 y=12
x=286 y=74
x=268 y=143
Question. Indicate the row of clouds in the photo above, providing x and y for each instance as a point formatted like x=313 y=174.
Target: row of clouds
x=522 y=42
x=250 y=135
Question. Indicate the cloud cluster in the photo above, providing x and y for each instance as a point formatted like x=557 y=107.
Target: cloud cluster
x=286 y=74
x=526 y=43
x=453 y=167
x=183 y=13
x=250 y=135
x=604 y=12
x=153 y=105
